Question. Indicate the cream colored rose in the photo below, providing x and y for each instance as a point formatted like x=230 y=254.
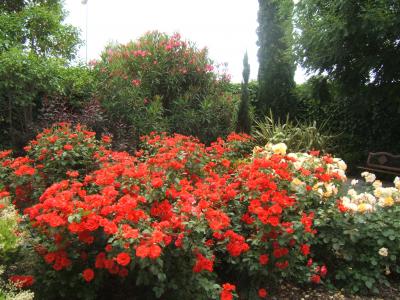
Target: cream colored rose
x=378 y=192
x=369 y=177
x=396 y=182
x=354 y=182
x=385 y=202
x=383 y=252
x=352 y=193
x=377 y=184
x=297 y=181
x=352 y=206
x=279 y=148
x=364 y=207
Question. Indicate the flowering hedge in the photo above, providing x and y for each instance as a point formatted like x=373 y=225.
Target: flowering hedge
x=132 y=216
x=182 y=218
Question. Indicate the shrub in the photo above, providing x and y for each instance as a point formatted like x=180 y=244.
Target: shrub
x=57 y=153
x=146 y=83
x=178 y=217
x=181 y=219
x=360 y=241
x=366 y=122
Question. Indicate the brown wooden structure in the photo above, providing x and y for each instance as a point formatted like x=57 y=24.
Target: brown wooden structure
x=383 y=162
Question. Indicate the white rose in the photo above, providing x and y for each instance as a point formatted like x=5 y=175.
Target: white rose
x=396 y=182
x=377 y=184
x=369 y=177
x=352 y=193
x=354 y=182
x=383 y=251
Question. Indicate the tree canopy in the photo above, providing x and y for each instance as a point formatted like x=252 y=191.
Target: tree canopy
x=354 y=42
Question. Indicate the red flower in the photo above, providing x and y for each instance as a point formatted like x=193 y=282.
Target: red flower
x=264 y=258
x=154 y=251
x=142 y=251
x=72 y=174
x=226 y=293
x=262 y=293
x=68 y=147
x=24 y=170
x=22 y=281
x=315 y=278
x=123 y=259
x=323 y=271
x=217 y=220
x=305 y=249
x=157 y=183
x=203 y=263
x=88 y=275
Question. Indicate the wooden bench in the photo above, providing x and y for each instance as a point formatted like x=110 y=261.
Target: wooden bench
x=383 y=162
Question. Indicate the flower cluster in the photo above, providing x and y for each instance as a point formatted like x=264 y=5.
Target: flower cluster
x=376 y=197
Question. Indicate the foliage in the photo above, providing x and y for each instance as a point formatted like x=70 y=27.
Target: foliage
x=299 y=137
x=37 y=27
x=244 y=122
x=355 y=43
x=35 y=47
x=367 y=123
x=146 y=83
x=214 y=117
x=276 y=62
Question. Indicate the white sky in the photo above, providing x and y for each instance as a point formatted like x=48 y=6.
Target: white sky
x=226 y=27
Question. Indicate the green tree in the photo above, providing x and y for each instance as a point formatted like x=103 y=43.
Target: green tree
x=243 y=122
x=356 y=43
x=35 y=47
x=276 y=61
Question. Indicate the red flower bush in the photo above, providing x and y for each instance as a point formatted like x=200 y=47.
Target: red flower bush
x=57 y=153
x=175 y=205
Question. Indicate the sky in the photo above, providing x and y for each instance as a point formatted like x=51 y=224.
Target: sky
x=226 y=27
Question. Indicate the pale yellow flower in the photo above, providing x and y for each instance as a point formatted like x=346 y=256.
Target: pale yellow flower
x=369 y=177
x=364 y=207
x=279 y=148
x=383 y=252
x=388 y=201
x=377 y=184
x=396 y=182
x=297 y=181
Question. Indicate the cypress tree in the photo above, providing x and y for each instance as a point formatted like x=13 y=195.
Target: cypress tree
x=243 y=122
x=275 y=56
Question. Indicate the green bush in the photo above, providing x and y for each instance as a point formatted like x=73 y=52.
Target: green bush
x=162 y=83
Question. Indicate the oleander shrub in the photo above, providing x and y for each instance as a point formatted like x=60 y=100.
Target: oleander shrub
x=163 y=83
